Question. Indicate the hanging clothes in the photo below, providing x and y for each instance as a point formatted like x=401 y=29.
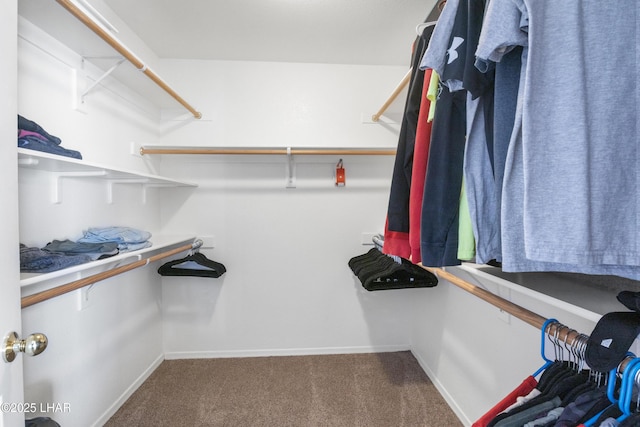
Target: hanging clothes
x=520 y=391
x=441 y=199
x=569 y=395
x=479 y=151
x=565 y=201
x=446 y=55
x=419 y=171
x=396 y=241
x=547 y=189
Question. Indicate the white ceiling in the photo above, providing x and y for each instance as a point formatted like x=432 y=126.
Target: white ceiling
x=370 y=32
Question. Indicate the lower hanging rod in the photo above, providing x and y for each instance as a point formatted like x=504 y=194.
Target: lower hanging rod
x=517 y=311
x=552 y=328
x=269 y=151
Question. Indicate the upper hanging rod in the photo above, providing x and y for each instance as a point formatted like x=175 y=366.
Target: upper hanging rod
x=285 y=151
x=86 y=20
x=403 y=83
x=80 y=283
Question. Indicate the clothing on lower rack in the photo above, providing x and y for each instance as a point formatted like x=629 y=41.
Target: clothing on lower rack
x=569 y=395
x=523 y=389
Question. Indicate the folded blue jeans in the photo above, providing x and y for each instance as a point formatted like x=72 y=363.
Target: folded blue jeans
x=36 y=260
x=127 y=238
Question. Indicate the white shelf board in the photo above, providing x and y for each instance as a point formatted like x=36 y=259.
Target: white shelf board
x=60 y=164
x=30 y=281
x=571 y=292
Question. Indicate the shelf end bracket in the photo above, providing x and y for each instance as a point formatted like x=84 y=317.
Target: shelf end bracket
x=56 y=182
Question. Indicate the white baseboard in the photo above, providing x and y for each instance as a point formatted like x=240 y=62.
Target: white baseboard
x=282 y=352
x=464 y=419
x=102 y=420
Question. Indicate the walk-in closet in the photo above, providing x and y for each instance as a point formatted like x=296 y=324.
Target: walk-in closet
x=376 y=213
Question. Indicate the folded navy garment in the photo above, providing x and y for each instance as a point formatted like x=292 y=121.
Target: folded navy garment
x=33 y=137
x=35 y=260
x=29 y=125
x=34 y=143
x=94 y=250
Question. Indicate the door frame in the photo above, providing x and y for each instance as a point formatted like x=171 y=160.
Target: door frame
x=11 y=374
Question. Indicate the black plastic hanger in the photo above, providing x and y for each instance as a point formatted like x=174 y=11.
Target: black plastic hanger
x=378 y=271
x=196 y=264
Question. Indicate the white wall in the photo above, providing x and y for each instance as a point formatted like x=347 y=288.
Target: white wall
x=283 y=104
x=288 y=289
x=95 y=355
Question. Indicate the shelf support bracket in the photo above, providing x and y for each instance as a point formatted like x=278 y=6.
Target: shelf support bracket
x=83 y=88
x=56 y=192
x=291 y=170
x=112 y=182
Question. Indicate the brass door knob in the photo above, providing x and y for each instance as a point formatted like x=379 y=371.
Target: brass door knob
x=33 y=345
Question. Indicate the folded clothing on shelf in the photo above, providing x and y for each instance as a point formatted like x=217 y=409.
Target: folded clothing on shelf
x=94 y=250
x=36 y=260
x=127 y=238
x=97 y=243
x=33 y=137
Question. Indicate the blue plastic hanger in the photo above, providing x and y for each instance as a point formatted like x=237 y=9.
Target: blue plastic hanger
x=626 y=390
x=548 y=362
x=611 y=388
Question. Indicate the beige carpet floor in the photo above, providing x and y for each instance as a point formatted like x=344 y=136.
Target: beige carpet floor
x=381 y=389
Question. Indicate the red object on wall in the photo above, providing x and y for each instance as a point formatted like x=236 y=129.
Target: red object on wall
x=340 y=175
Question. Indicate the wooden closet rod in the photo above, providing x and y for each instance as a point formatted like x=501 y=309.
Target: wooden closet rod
x=281 y=151
x=403 y=83
x=80 y=283
x=521 y=313
x=555 y=329
x=558 y=330
x=82 y=17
